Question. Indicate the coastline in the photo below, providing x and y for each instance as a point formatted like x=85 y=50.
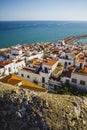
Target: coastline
x=68 y=40
x=21 y=32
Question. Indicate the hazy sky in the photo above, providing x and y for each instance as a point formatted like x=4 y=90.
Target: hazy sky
x=43 y=10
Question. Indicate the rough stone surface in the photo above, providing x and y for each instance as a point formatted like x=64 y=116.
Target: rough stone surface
x=22 y=109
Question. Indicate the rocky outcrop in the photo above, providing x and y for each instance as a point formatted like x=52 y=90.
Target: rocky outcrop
x=22 y=109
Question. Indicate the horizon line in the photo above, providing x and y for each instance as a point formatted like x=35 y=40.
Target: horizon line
x=43 y=20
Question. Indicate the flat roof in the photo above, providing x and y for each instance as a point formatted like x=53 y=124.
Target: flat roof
x=50 y=62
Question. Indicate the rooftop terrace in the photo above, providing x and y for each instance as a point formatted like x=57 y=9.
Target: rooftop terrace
x=57 y=69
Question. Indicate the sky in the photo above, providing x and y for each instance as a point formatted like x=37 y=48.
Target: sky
x=43 y=10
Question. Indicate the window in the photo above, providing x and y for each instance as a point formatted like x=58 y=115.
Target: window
x=67 y=81
x=43 y=80
x=82 y=82
x=74 y=80
x=46 y=70
x=35 y=81
x=22 y=75
x=65 y=63
x=50 y=84
x=9 y=69
x=55 y=86
x=69 y=63
x=28 y=76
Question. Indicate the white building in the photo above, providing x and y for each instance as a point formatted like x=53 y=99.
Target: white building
x=1 y=71
x=67 y=63
x=79 y=78
x=39 y=74
x=11 y=66
x=16 y=51
x=39 y=56
x=53 y=85
x=19 y=64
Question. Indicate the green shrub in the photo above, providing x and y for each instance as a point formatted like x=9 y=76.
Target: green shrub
x=70 y=90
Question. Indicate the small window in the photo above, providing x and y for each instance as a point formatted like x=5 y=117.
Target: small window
x=69 y=63
x=74 y=80
x=82 y=82
x=67 y=81
x=43 y=80
x=55 y=86
x=28 y=76
x=9 y=69
x=50 y=84
x=35 y=81
x=22 y=75
x=65 y=63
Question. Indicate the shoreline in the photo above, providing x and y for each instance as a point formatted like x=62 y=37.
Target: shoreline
x=68 y=40
x=13 y=33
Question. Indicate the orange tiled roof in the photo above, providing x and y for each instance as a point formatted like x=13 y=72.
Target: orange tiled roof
x=13 y=81
x=25 y=83
x=5 y=52
x=37 y=62
x=74 y=52
x=5 y=62
x=34 y=59
x=85 y=68
x=81 y=56
x=50 y=62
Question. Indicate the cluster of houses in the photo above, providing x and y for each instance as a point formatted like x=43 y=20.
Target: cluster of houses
x=49 y=65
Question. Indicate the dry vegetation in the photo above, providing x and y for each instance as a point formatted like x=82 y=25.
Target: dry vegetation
x=40 y=110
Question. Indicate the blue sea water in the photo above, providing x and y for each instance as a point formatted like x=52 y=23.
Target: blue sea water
x=20 y=32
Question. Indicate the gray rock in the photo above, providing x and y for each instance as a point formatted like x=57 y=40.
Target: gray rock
x=23 y=109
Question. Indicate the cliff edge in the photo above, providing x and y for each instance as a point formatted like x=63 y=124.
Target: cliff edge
x=22 y=109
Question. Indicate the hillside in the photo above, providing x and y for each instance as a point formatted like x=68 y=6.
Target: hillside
x=22 y=109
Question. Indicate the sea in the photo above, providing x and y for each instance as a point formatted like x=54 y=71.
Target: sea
x=23 y=32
